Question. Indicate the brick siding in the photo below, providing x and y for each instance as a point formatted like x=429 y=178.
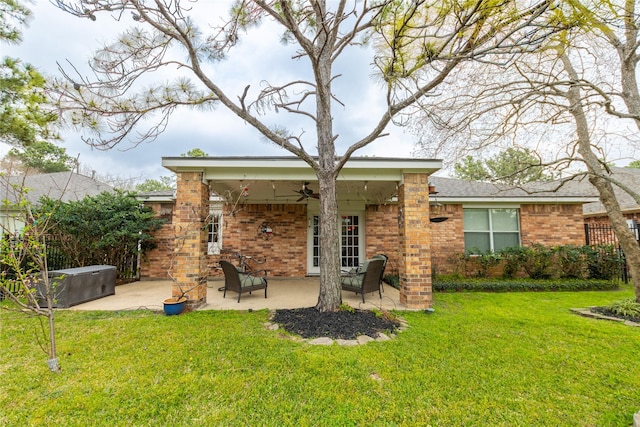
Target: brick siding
x=286 y=249
x=552 y=225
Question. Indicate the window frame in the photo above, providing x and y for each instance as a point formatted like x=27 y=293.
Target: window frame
x=215 y=212
x=491 y=231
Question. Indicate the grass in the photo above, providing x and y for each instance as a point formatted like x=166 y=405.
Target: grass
x=505 y=359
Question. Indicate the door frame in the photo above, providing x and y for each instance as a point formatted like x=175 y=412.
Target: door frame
x=311 y=213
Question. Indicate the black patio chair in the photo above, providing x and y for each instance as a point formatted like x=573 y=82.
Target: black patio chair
x=242 y=281
x=365 y=281
x=385 y=259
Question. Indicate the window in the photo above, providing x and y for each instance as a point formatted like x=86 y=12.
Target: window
x=214 y=237
x=491 y=229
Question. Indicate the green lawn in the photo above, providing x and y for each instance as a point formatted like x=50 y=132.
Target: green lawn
x=507 y=359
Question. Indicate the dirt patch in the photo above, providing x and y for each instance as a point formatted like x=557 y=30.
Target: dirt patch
x=343 y=324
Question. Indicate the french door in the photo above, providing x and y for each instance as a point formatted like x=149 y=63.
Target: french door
x=351 y=241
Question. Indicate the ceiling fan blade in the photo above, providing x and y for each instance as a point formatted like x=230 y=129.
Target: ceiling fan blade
x=301 y=199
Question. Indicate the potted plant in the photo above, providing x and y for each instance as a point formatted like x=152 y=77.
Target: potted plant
x=174 y=305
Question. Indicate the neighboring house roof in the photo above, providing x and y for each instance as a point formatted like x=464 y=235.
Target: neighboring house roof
x=450 y=190
x=166 y=196
x=157 y=196
x=64 y=186
x=627 y=176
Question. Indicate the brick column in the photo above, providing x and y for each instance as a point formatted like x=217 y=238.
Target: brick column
x=189 y=264
x=414 y=241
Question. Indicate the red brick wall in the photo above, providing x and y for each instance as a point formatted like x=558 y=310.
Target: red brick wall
x=414 y=236
x=285 y=251
x=156 y=262
x=381 y=234
x=551 y=225
x=447 y=238
x=189 y=264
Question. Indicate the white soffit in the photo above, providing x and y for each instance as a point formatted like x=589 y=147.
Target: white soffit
x=291 y=168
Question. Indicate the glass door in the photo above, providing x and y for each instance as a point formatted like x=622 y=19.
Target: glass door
x=351 y=242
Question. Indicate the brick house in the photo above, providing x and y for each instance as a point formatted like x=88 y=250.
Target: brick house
x=267 y=207
x=63 y=186
x=594 y=212
x=595 y=216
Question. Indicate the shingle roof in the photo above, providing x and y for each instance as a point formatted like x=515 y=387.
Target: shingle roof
x=64 y=186
x=450 y=188
x=627 y=176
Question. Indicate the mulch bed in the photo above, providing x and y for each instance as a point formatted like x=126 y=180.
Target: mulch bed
x=347 y=325
x=604 y=311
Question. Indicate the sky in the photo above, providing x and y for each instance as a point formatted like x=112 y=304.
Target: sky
x=54 y=36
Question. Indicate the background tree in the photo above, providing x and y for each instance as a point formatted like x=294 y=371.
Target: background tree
x=24 y=118
x=471 y=169
x=513 y=166
x=635 y=164
x=27 y=120
x=41 y=157
x=160 y=184
x=418 y=44
x=194 y=152
x=100 y=229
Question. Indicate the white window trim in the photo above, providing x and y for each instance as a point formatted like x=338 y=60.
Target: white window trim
x=215 y=209
x=491 y=231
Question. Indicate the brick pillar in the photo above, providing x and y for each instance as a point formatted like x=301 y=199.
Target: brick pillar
x=414 y=241
x=189 y=266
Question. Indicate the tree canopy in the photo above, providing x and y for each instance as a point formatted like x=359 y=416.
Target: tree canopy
x=195 y=152
x=99 y=229
x=413 y=48
x=574 y=100
x=513 y=166
x=27 y=120
x=634 y=164
x=162 y=183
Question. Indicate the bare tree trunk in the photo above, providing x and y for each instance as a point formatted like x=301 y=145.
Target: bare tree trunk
x=597 y=174
x=52 y=362
x=330 y=296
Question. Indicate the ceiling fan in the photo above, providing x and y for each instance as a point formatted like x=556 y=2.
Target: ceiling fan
x=306 y=193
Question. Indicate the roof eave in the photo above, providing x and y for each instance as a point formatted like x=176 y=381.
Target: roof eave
x=517 y=200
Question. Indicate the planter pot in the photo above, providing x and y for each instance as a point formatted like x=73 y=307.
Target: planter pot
x=173 y=306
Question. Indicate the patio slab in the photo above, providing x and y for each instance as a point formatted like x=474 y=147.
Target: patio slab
x=282 y=293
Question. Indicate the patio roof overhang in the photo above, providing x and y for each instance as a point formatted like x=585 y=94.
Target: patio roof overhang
x=260 y=180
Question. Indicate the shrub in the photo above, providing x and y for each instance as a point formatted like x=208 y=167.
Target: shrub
x=511 y=261
x=571 y=260
x=101 y=229
x=480 y=262
x=453 y=284
x=536 y=260
x=393 y=280
x=604 y=262
x=626 y=308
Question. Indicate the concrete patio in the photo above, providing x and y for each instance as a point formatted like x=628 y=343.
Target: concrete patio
x=282 y=293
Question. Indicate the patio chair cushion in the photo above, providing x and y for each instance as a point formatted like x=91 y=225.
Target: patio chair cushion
x=241 y=282
x=366 y=281
x=247 y=280
x=354 y=280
